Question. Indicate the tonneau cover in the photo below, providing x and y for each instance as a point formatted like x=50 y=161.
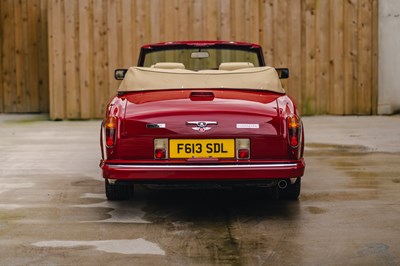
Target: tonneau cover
x=254 y=78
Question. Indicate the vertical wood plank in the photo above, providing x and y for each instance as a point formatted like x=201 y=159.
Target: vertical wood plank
x=72 y=85
x=224 y=17
x=280 y=36
x=26 y=96
x=181 y=21
x=171 y=8
x=322 y=57
x=195 y=24
x=50 y=14
x=43 y=64
x=32 y=58
x=246 y=14
x=155 y=21
x=127 y=36
x=365 y=57
x=143 y=21
x=100 y=54
x=19 y=27
x=374 y=64
x=169 y=22
x=238 y=20
x=252 y=21
x=57 y=78
x=85 y=59
x=161 y=9
x=119 y=8
x=350 y=37
x=209 y=18
x=309 y=101
x=135 y=46
x=114 y=53
x=9 y=59
x=2 y=16
x=267 y=31
x=140 y=17
x=336 y=95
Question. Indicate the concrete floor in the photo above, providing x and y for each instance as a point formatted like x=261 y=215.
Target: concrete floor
x=53 y=209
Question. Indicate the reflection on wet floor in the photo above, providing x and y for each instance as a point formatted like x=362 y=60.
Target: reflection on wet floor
x=347 y=214
x=210 y=226
x=120 y=212
x=368 y=169
x=342 y=186
x=131 y=246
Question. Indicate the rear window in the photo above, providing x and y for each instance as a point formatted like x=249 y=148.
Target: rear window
x=201 y=58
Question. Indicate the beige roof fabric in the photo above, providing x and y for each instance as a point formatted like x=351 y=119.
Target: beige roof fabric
x=255 y=78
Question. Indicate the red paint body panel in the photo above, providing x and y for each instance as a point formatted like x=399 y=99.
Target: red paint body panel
x=201 y=44
x=271 y=156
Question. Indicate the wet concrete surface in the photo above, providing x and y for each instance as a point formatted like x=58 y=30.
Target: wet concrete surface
x=53 y=210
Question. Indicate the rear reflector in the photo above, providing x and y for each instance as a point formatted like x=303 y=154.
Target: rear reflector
x=293 y=141
x=160 y=153
x=110 y=142
x=243 y=154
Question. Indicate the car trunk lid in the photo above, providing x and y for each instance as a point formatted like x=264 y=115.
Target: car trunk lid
x=200 y=114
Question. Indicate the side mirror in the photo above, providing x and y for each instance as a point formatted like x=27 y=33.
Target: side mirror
x=283 y=73
x=119 y=74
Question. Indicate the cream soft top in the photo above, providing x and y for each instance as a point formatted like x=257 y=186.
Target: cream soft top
x=146 y=78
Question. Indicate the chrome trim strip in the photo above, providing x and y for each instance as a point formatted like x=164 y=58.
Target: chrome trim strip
x=134 y=166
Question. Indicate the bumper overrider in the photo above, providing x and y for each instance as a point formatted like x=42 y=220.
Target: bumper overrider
x=152 y=172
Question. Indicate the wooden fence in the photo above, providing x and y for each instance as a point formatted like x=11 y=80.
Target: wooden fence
x=330 y=46
x=24 y=82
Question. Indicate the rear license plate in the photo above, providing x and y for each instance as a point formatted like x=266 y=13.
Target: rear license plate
x=201 y=148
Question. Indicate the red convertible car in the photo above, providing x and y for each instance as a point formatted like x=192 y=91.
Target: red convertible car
x=202 y=113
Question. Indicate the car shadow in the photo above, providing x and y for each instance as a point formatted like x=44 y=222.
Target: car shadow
x=214 y=204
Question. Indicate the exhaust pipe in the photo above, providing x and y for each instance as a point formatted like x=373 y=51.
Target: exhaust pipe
x=282 y=184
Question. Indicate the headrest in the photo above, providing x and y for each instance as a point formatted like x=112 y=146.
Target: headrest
x=169 y=65
x=235 y=65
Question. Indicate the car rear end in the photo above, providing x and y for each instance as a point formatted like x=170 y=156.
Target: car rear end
x=197 y=137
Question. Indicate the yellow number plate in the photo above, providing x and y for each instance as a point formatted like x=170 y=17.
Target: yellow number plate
x=201 y=148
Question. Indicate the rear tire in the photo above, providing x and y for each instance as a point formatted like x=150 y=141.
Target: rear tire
x=118 y=192
x=291 y=192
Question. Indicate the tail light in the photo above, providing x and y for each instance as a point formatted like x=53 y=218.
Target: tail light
x=294 y=128
x=160 y=148
x=110 y=126
x=243 y=148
